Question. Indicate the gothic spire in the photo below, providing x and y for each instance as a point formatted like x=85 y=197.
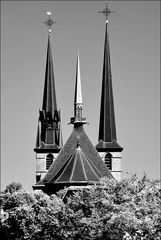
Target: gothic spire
x=78 y=103
x=107 y=128
x=49 y=98
x=49 y=117
x=78 y=91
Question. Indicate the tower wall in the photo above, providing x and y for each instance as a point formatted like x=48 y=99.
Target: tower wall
x=41 y=169
x=115 y=163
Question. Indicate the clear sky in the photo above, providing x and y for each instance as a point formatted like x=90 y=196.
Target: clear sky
x=134 y=32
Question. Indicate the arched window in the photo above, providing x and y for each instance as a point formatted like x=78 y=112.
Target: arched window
x=49 y=160
x=108 y=161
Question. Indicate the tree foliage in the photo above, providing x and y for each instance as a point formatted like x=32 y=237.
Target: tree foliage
x=129 y=209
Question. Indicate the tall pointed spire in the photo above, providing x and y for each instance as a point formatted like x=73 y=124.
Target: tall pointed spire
x=107 y=145
x=49 y=97
x=107 y=127
x=49 y=117
x=78 y=91
x=78 y=103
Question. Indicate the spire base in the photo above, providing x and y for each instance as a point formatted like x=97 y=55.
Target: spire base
x=78 y=120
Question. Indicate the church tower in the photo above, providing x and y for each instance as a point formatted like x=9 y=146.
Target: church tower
x=49 y=136
x=107 y=146
x=78 y=163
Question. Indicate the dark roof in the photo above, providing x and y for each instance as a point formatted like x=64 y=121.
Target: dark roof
x=45 y=148
x=108 y=146
x=88 y=157
x=49 y=97
x=77 y=169
x=107 y=128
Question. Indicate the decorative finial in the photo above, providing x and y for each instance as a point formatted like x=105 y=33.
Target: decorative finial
x=106 y=12
x=49 y=22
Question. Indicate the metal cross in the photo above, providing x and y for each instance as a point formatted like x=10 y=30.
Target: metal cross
x=49 y=22
x=106 y=12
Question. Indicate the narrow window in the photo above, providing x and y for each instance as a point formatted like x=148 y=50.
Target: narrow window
x=38 y=177
x=108 y=161
x=49 y=161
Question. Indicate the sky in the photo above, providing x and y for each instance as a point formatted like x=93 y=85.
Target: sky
x=134 y=34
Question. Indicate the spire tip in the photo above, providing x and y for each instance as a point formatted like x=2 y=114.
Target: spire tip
x=106 y=12
x=49 y=22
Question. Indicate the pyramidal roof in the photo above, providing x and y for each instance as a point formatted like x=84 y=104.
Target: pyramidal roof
x=78 y=168
x=73 y=162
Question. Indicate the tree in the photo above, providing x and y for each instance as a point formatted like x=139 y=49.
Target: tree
x=13 y=187
x=129 y=209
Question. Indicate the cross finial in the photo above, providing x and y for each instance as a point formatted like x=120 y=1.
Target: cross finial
x=49 y=22
x=106 y=12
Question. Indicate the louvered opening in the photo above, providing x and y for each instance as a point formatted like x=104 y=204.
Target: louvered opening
x=49 y=161
x=108 y=161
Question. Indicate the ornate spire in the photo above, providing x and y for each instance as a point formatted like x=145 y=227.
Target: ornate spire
x=78 y=103
x=107 y=128
x=49 y=117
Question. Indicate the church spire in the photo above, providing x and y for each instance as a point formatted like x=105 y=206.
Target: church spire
x=49 y=97
x=49 y=116
x=78 y=103
x=78 y=91
x=78 y=163
x=107 y=145
x=107 y=127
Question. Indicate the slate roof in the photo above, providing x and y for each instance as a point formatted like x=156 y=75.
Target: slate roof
x=49 y=97
x=86 y=164
x=108 y=146
x=107 y=127
x=78 y=168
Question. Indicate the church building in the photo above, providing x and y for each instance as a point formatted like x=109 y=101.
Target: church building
x=77 y=162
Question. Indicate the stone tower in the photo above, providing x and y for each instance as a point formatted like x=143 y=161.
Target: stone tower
x=107 y=145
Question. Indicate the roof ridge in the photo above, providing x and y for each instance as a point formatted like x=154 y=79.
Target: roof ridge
x=75 y=153
x=83 y=165
x=91 y=164
x=62 y=171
